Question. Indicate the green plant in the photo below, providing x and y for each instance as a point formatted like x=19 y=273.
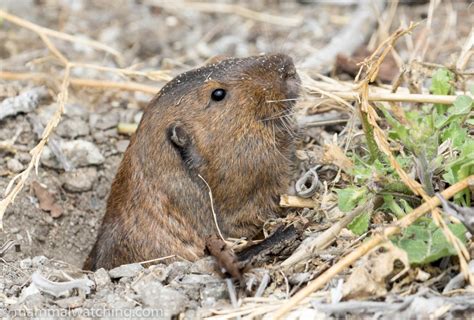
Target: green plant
x=433 y=141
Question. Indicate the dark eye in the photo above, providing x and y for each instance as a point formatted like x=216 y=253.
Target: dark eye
x=218 y=94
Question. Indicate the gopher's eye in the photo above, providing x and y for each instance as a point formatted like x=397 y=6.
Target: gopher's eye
x=218 y=94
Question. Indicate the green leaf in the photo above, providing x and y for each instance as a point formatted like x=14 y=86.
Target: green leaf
x=349 y=198
x=462 y=105
x=424 y=242
x=456 y=133
x=441 y=82
x=460 y=108
x=360 y=224
x=392 y=205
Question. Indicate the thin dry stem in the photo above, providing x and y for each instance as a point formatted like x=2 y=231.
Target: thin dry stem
x=322 y=241
x=82 y=82
x=214 y=215
x=15 y=187
x=335 y=92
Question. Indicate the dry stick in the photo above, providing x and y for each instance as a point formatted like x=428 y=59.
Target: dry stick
x=82 y=82
x=323 y=240
x=370 y=244
x=398 y=97
x=135 y=86
x=229 y=9
x=56 y=34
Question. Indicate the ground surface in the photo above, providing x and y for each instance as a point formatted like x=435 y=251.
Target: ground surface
x=150 y=38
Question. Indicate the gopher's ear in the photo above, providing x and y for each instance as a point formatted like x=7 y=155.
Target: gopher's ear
x=215 y=59
x=178 y=135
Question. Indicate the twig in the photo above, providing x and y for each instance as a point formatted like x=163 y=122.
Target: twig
x=56 y=34
x=160 y=259
x=370 y=244
x=288 y=201
x=212 y=208
x=82 y=82
x=322 y=241
x=228 y=9
x=313 y=86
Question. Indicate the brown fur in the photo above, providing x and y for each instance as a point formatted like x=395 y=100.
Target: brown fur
x=242 y=147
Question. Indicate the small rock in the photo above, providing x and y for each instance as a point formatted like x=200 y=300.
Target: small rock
x=126 y=270
x=138 y=117
x=80 y=153
x=178 y=269
x=193 y=283
x=38 y=261
x=299 y=278
x=122 y=145
x=80 y=180
x=99 y=137
x=156 y=296
x=24 y=157
x=72 y=128
x=25 y=263
x=70 y=303
x=104 y=121
x=207 y=265
x=76 y=110
x=212 y=292
x=30 y=291
x=101 y=278
x=159 y=272
x=24 y=103
x=14 y=165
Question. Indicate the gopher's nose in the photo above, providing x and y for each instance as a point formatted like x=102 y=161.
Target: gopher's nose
x=290 y=79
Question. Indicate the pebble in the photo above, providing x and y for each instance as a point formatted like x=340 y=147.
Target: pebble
x=122 y=145
x=26 y=263
x=177 y=268
x=104 y=121
x=207 y=265
x=80 y=153
x=159 y=272
x=24 y=157
x=72 y=128
x=80 y=180
x=138 y=117
x=45 y=113
x=156 y=296
x=299 y=278
x=39 y=261
x=14 y=165
x=101 y=278
x=70 y=303
x=126 y=270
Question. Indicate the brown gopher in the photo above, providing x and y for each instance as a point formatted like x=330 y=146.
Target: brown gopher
x=226 y=124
